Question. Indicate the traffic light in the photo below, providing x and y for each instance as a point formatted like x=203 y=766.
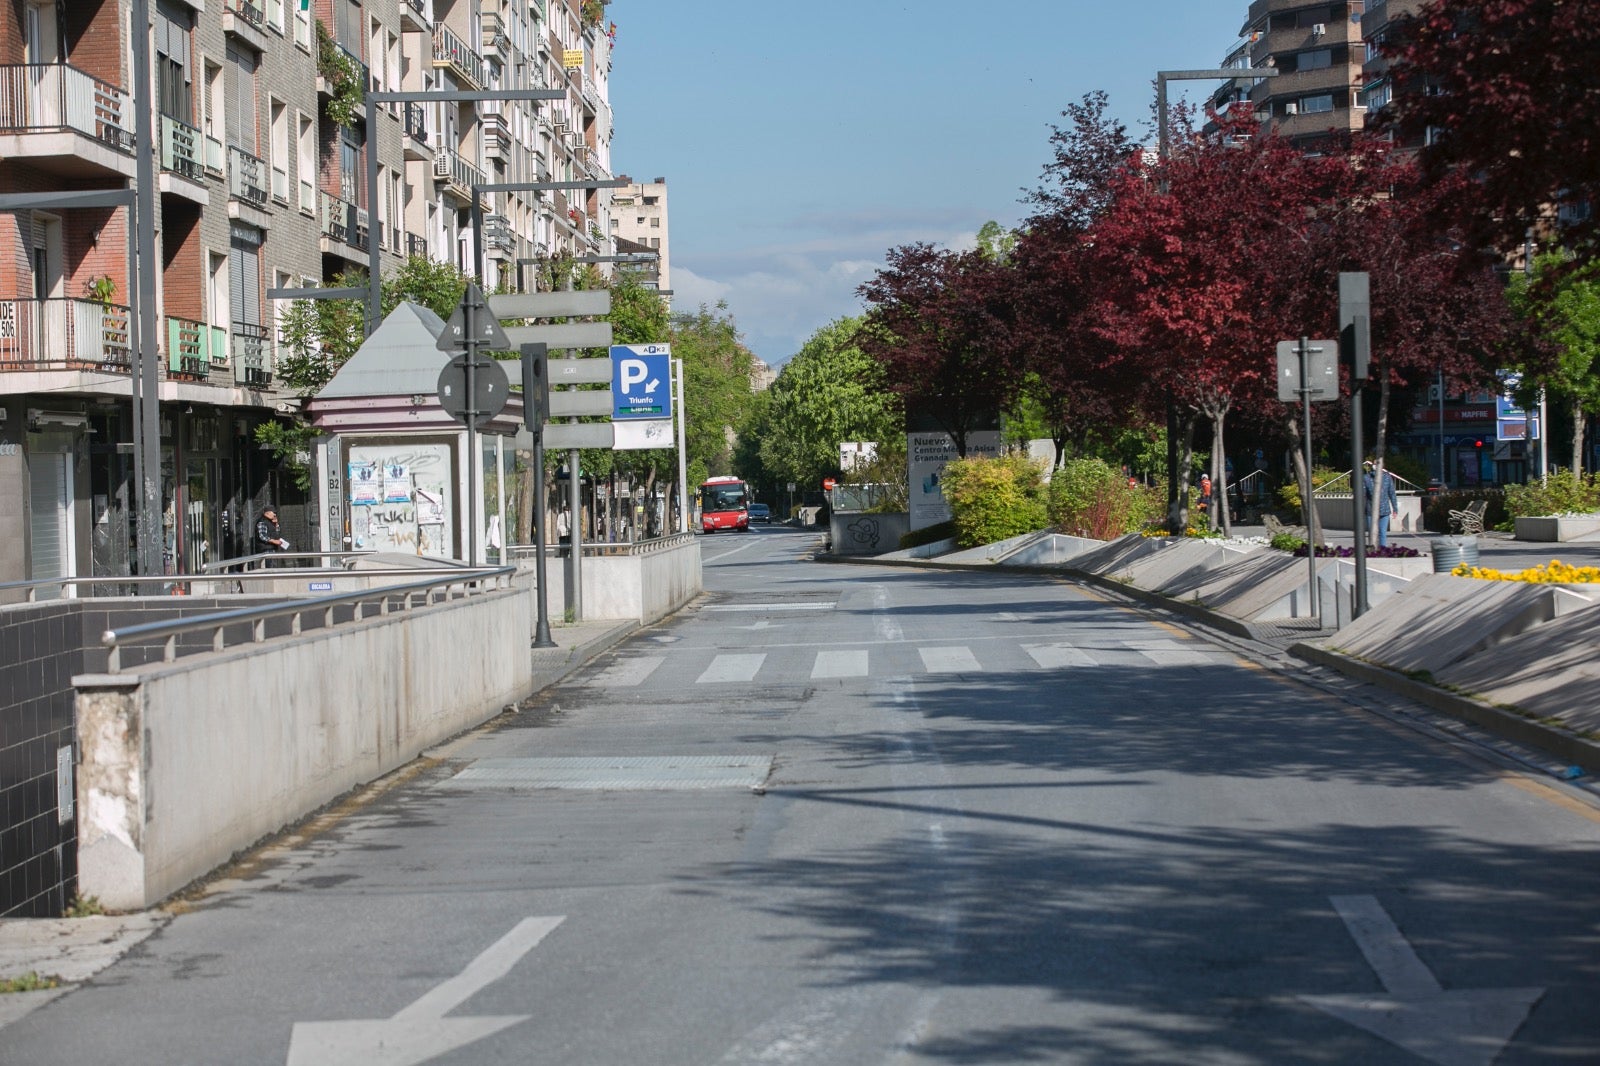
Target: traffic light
x=536 y=386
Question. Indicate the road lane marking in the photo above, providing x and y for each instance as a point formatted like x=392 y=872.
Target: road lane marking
x=724 y=555
x=1466 y=1027
x=420 y=1032
x=949 y=660
x=1056 y=656
x=629 y=672
x=729 y=668
x=852 y=663
x=809 y=606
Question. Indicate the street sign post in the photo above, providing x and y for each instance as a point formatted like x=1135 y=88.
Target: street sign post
x=474 y=328
x=1309 y=372
x=641 y=381
x=490 y=390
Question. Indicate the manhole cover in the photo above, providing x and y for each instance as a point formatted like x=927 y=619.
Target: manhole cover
x=617 y=773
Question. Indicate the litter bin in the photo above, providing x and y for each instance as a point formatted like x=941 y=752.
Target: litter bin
x=1451 y=552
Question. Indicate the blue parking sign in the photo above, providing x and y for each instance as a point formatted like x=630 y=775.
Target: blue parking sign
x=641 y=381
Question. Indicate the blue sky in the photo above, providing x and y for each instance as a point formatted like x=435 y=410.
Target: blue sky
x=802 y=139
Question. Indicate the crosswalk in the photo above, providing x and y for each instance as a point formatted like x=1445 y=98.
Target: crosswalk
x=745 y=668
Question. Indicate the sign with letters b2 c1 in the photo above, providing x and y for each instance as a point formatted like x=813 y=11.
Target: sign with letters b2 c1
x=641 y=381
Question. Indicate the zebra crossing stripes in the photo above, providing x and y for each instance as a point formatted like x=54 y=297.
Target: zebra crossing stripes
x=957 y=659
x=837 y=663
x=851 y=663
x=729 y=667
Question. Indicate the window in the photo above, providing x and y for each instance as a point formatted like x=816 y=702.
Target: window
x=306 y=160
x=241 y=99
x=1321 y=59
x=1314 y=105
x=655 y=223
x=279 y=148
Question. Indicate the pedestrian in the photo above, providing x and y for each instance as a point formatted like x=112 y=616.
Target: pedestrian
x=564 y=526
x=1388 y=499
x=1205 y=494
x=268 y=539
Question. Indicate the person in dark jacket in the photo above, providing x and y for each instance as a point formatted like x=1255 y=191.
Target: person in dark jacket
x=1388 y=501
x=268 y=539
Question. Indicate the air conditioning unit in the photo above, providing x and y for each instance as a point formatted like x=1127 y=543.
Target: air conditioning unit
x=1291 y=109
x=1319 y=30
x=441 y=166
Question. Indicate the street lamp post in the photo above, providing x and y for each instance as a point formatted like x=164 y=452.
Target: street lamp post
x=1163 y=153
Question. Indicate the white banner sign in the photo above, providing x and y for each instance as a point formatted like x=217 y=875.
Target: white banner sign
x=643 y=434
x=927 y=455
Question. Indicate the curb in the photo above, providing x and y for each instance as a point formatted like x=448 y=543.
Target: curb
x=1558 y=742
x=578 y=655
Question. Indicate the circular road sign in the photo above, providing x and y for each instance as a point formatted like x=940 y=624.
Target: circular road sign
x=489 y=383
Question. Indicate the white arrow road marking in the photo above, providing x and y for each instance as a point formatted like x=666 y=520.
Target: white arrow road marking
x=763 y=624
x=1469 y=1027
x=421 y=1031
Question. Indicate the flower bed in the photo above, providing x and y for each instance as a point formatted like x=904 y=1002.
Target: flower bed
x=1339 y=551
x=1555 y=572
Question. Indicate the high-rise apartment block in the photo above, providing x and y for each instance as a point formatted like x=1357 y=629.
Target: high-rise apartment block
x=1318 y=52
x=639 y=216
x=261 y=144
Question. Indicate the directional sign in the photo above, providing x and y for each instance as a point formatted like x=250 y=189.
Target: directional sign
x=641 y=381
x=574 y=402
x=567 y=304
x=564 y=335
x=489 y=383
x=559 y=435
x=580 y=372
x=1446 y=1026
x=421 y=1032
x=487 y=327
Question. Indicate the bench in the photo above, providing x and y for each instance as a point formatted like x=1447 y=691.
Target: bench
x=1469 y=520
x=1277 y=528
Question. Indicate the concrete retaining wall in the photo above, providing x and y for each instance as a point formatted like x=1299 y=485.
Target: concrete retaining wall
x=183 y=764
x=861 y=533
x=642 y=587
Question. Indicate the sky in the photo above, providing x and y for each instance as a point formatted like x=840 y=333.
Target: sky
x=803 y=139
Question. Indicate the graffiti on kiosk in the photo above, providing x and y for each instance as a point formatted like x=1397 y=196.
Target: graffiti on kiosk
x=399 y=498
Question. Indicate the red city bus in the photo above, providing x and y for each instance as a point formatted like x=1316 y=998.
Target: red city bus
x=724 y=504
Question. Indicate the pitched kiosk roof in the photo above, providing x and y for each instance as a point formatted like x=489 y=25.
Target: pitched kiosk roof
x=401 y=358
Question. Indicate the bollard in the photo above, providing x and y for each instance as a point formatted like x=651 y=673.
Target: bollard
x=1451 y=552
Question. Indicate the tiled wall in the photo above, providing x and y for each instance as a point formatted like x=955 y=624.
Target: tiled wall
x=41 y=648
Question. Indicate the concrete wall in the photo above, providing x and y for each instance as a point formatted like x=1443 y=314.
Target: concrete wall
x=1335 y=512
x=643 y=586
x=860 y=533
x=183 y=764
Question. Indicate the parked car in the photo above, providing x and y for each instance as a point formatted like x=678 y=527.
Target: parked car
x=760 y=512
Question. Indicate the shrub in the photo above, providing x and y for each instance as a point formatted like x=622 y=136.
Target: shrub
x=994 y=498
x=1341 y=551
x=1562 y=493
x=1089 y=498
x=1289 y=491
x=1555 y=572
x=1436 y=509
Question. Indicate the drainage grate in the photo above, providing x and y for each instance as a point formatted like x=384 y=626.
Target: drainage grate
x=617 y=773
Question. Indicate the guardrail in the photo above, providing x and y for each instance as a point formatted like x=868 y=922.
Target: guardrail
x=604 y=548
x=455 y=585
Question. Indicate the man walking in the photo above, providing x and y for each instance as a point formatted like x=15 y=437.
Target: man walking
x=1388 y=499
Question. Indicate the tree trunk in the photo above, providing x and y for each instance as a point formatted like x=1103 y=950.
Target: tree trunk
x=1219 y=475
x=525 y=479
x=1308 y=510
x=1577 y=436
x=1178 y=513
x=1380 y=447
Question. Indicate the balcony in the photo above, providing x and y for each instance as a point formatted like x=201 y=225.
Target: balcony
x=450 y=52
x=64 y=334
x=59 y=115
x=496 y=137
x=415 y=122
x=252 y=355
x=414 y=16
x=458 y=174
x=495 y=39
x=247 y=178
x=181 y=149
x=416 y=245
x=187 y=348
x=246 y=21
x=497 y=234
x=215 y=158
x=343 y=223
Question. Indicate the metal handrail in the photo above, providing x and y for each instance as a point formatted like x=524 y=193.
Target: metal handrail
x=218 y=621
x=1327 y=489
x=604 y=548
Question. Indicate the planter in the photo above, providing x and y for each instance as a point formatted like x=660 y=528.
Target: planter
x=1557 y=528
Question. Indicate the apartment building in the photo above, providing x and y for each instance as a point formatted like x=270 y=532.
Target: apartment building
x=640 y=210
x=1377 y=86
x=262 y=145
x=1318 y=52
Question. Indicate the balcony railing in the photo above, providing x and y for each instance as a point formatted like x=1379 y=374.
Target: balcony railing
x=64 y=333
x=252 y=355
x=497 y=232
x=215 y=158
x=54 y=96
x=450 y=51
x=416 y=245
x=181 y=148
x=416 y=122
x=461 y=175
x=280 y=185
x=247 y=177
x=344 y=222
x=417 y=12
x=248 y=11
x=187 y=345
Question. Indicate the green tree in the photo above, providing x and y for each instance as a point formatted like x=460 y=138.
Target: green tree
x=1561 y=303
x=716 y=387
x=830 y=392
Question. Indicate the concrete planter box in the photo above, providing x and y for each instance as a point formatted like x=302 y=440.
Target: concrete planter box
x=1557 y=528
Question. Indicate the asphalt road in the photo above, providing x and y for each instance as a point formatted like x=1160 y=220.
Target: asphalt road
x=864 y=815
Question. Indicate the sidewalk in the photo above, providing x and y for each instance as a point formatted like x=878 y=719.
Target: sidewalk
x=72 y=950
